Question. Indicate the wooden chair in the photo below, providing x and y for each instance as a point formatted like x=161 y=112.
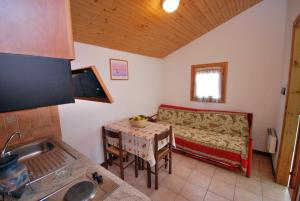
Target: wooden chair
x=117 y=151
x=163 y=153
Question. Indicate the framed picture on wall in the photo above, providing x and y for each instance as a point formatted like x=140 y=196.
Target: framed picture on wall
x=118 y=69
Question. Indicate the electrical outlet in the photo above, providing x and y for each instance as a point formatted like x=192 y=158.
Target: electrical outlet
x=283 y=89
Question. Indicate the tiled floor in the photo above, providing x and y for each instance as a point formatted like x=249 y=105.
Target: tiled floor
x=193 y=180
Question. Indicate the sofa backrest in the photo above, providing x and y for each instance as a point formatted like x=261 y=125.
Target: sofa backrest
x=218 y=121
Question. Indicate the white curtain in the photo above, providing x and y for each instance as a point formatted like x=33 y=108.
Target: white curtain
x=208 y=85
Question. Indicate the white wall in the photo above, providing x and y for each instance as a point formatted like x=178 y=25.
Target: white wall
x=141 y=94
x=293 y=10
x=252 y=43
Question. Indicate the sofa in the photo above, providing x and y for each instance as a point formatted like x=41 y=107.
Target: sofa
x=219 y=137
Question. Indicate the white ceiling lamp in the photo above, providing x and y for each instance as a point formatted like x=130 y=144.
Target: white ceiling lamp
x=170 y=5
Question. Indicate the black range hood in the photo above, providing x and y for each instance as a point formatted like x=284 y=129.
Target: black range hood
x=28 y=82
x=31 y=81
x=88 y=85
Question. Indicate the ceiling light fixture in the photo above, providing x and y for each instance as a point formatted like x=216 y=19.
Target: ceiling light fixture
x=170 y=5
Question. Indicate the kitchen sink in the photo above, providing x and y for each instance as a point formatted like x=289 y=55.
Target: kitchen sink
x=33 y=149
x=42 y=157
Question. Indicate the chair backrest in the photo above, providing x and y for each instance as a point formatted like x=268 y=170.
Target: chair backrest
x=162 y=136
x=111 y=134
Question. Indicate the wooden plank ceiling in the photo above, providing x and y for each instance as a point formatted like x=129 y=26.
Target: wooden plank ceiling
x=142 y=27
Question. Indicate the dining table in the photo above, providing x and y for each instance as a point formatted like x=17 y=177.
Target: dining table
x=139 y=141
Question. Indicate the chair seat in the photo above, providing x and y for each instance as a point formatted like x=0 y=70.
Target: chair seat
x=163 y=152
x=115 y=151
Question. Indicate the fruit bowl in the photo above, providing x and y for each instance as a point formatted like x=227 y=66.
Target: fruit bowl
x=138 y=121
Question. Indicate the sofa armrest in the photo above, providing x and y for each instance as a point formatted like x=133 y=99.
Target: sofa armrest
x=153 y=118
x=249 y=157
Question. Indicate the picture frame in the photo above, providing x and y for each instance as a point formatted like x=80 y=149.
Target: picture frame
x=118 y=69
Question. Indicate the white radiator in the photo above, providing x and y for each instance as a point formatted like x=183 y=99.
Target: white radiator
x=272 y=141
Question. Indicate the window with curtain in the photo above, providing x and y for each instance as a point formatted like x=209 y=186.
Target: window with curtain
x=208 y=82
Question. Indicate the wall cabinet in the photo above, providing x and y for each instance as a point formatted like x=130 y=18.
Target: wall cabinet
x=36 y=27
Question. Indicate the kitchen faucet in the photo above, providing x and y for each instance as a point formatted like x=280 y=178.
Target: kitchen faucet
x=7 y=142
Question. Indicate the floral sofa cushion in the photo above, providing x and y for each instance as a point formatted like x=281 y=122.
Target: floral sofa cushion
x=225 y=123
x=227 y=142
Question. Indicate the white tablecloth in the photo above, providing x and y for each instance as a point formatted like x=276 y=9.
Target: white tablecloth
x=139 y=141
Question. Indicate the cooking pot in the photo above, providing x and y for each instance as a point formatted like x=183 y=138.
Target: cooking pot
x=13 y=175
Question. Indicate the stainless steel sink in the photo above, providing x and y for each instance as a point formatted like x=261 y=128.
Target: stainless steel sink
x=42 y=157
x=33 y=149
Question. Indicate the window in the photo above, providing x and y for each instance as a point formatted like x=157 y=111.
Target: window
x=208 y=82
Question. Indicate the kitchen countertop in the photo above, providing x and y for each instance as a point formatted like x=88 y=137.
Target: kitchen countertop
x=76 y=169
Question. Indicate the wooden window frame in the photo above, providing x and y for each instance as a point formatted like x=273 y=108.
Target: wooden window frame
x=221 y=65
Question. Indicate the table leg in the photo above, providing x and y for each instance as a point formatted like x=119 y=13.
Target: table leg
x=143 y=162
x=148 y=175
x=110 y=158
x=136 y=166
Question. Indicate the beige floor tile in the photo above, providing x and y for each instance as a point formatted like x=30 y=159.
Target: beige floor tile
x=222 y=189
x=205 y=168
x=267 y=177
x=141 y=185
x=188 y=162
x=161 y=163
x=181 y=171
x=191 y=178
x=226 y=176
x=199 y=179
x=173 y=183
x=131 y=179
x=249 y=184
x=213 y=197
x=114 y=169
x=243 y=195
x=176 y=158
x=162 y=169
x=268 y=199
x=255 y=174
x=275 y=191
x=161 y=177
x=163 y=194
x=180 y=198
x=192 y=192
